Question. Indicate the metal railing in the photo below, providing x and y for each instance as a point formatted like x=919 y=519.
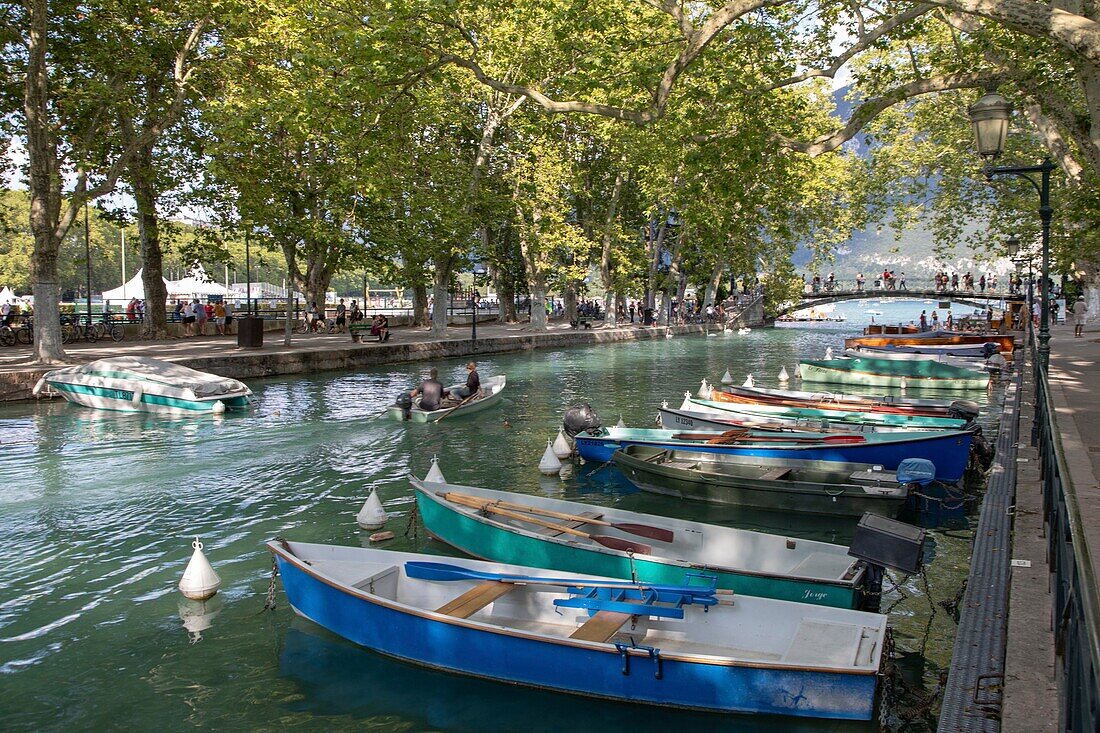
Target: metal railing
x=1076 y=605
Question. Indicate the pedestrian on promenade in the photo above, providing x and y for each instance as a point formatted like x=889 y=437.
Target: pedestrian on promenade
x=200 y=317
x=187 y=316
x=859 y=283
x=219 y=318
x=923 y=321
x=341 y=316
x=955 y=281
x=981 y=283
x=633 y=307
x=177 y=314
x=1079 y=309
x=901 y=281
x=935 y=321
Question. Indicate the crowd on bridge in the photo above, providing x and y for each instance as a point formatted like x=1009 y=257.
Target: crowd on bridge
x=942 y=281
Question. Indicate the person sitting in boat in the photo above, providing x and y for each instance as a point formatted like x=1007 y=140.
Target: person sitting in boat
x=430 y=391
x=473 y=383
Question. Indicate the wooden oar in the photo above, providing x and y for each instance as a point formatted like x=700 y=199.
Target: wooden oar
x=423 y=570
x=642 y=530
x=613 y=543
x=460 y=404
x=822 y=440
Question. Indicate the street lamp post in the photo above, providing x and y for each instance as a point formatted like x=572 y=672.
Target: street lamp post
x=990 y=116
x=475 y=296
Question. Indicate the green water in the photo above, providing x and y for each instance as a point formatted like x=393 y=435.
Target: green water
x=97 y=511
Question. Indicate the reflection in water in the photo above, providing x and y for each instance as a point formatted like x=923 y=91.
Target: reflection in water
x=198 y=616
x=100 y=508
x=336 y=678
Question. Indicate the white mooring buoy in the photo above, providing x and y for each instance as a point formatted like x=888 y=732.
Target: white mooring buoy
x=686 y=404
x=727 y=378
x=561 y=446
x=704 y=390
x=218 y=408
x=749 y=382
x=199 y=580
x=828 y=352
x=622 y=424
x=903 y=384
x=372 y=515
x=549 y=465
x=798 y=370
x=783 y=376
x=435 y=476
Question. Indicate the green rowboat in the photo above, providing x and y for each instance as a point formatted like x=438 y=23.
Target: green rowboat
x=870 y=372
x=778 y=484
x=749 y=563
x=782 y=412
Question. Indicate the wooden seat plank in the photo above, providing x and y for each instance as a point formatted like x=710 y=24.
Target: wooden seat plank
x=475 y=599
x=600 y=627
x=775 y=474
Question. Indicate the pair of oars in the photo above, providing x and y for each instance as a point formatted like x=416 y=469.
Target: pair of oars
x=522 y=513
x=736 y=436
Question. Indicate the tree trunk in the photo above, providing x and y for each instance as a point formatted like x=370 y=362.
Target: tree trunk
x=538 y=304
x=440 y=295
x=605 y=253
x=506 y=292
x=156 y=294
x=45 y=190
x=712 y=285
x=569 y=298
x=420 y=305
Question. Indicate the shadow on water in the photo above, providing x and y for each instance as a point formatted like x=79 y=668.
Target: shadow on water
x=336 y=678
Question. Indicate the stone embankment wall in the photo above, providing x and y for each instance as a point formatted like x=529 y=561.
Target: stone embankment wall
x=273 y=359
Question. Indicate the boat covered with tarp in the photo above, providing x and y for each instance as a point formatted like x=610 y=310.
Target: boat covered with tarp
x=684 y=645
x=145 y=384
x=808 y=487
x=1006 y=341
x=878 y=373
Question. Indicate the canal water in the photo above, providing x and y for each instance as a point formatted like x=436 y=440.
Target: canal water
x=97 y=512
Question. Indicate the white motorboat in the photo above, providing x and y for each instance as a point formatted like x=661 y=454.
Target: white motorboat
x=144 y=384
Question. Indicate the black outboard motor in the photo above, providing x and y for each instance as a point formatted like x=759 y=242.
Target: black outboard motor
x=963 y=410
x=405 y=403
x=579 y=418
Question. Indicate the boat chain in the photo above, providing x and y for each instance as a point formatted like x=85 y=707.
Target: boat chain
x=269 y=604
x=412 y=526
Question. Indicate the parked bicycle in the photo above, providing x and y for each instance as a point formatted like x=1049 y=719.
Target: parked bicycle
x=72 y=330
x=10 y=334
x=108 y=328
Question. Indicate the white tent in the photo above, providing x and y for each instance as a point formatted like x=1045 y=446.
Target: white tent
x=7 y=295
x=135 y=288
x=195 y=285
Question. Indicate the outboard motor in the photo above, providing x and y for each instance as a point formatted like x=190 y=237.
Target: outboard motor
x=579 y=418
x=886 y=543
x=963 y=410
x=405 y=403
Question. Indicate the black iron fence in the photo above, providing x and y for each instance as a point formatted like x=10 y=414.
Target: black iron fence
x=1076 y=605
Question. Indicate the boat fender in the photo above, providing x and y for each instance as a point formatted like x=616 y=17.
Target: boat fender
x=963 y=409
x=562 y=448
x=38 y=386
x=136 y=397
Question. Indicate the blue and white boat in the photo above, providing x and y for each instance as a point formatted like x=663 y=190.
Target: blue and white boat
x=143 y=384
x=688 y=646
x=949 y=450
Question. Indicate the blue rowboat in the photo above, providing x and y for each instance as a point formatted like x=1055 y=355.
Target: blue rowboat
x=748 y=562
x=687 y=647
x=949 y=450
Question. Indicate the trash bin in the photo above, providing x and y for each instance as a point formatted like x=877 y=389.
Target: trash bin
x=250 y=332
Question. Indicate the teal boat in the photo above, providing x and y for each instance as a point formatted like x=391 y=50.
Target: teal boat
x=786 y=413
x=870 y=372
x=749 y=563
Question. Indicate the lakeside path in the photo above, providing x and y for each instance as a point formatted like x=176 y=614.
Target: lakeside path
x=311 y=353
x=1031 y=694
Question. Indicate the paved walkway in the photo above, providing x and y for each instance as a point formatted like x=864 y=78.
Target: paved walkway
x=1031 y=699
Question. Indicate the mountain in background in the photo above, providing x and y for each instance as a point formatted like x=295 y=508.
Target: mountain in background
x=881 y=246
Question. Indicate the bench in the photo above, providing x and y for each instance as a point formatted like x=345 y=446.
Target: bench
x=581 y=321
x=475 y=599
x=601 y=627
x=359 y=330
